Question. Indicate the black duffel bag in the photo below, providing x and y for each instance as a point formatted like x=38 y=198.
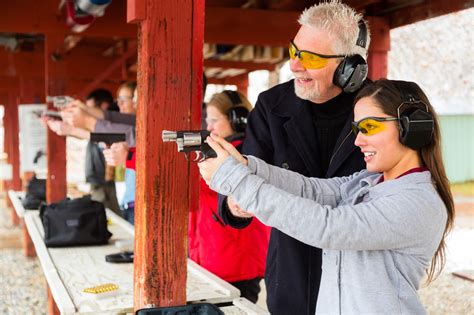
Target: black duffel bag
x=35 y=193
x=74 y=222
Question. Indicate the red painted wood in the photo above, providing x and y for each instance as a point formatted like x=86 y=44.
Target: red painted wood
x=197 y=98
x=168 y=85
x=379 y=47
x=247 y=65
x=136 y=11
x=250 y=26
x=426 y=10
x=116 y=65
x=31 y=16
x=28 y=246
x=55 y=84
x=52 y=307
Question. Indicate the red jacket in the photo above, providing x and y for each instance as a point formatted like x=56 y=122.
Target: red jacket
x=231 y=254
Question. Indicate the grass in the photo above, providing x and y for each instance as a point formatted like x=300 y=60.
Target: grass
x=465 y=189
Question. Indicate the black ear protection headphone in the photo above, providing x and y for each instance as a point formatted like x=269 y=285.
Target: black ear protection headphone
x=237 y=113
x=352 y=71
x=415 y=121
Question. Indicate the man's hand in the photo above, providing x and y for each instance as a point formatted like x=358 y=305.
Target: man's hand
x=59 y=127
x=236 y=210
x=116 y=155
x=78 y=117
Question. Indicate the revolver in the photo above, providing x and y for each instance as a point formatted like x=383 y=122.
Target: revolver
x=59 y=101
x=190 y=141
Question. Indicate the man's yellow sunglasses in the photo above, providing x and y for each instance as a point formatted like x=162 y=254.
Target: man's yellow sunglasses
x=308 y=59
x=371 y=125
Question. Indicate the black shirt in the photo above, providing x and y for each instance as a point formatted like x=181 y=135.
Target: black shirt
x=329 y=119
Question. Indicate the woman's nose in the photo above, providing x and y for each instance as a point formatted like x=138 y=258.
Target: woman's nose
x=360 y=139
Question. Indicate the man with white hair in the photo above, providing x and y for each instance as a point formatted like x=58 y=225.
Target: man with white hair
x=305 y=125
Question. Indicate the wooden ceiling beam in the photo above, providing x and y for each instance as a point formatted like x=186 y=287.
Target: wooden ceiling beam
x=249 y=66
x=427 y=10
x=41 y=17
x=235 y=80
x=249 y=26
x=32 y=65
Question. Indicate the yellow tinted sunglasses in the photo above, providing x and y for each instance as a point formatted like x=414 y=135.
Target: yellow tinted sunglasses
x=371 y=125
x=308 y=59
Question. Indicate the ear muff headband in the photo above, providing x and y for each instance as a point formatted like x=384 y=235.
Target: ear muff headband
x=352 y=71
x=415 y=122
x=238 y=113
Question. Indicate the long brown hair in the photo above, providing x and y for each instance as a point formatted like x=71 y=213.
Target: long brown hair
x=388 y=95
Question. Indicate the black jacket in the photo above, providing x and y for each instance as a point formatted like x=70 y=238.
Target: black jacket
x=281 y=131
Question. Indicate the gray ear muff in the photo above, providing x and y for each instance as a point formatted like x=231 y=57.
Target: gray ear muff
x=351 y=73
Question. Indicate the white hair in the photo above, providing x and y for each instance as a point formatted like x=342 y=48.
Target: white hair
x=342 y=23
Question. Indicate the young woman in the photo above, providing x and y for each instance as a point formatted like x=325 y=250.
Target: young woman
x=237 y=256
x=380 y=229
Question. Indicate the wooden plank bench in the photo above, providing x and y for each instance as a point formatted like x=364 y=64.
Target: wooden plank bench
x=70 y=270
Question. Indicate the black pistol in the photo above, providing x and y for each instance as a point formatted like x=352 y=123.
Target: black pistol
x=190 y=141
x=107 y=138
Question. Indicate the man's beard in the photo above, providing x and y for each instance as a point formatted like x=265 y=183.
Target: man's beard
x=308 y=94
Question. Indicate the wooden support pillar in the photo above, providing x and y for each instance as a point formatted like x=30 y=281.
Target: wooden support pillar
x=169 y=97
x=379 y=47
x=12 y=146
x=243 y=84
x=55 y=84
x=28 y=246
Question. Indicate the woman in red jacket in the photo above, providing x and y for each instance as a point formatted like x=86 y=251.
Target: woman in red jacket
x=235 y=255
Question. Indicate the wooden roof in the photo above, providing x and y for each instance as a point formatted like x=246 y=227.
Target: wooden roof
x=240 y=36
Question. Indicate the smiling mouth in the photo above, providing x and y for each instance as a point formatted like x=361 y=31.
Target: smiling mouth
x=367 y=154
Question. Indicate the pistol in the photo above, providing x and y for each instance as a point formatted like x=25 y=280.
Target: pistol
x=190 y=141
x=59 y=101
x=48 y=113
x=107 y=138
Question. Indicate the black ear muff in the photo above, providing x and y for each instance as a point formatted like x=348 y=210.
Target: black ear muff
x=352 y=71
x=416 y=128
x=238 y=118
x=238 y=113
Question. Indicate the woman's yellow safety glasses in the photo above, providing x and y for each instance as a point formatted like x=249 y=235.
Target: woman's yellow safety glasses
x=370 y=125
x=308 y=59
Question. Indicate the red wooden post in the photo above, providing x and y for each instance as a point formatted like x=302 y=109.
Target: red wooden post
x=243 y=84
x=55 y=82
x=169 y=91
x=379 y=47
x=12 y=146
x=56 y=186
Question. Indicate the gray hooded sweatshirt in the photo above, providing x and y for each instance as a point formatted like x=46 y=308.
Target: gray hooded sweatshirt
x=377 y=239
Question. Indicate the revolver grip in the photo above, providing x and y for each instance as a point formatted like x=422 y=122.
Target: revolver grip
x=208 y=152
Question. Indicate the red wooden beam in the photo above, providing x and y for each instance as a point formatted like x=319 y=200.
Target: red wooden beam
x=43 y=17
x=379 y=47
x=250 y=26
x=235 y=80
x=115 y=66
x=427 y=10
x=168 y=91
x=136 y=11
x=229 y=64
